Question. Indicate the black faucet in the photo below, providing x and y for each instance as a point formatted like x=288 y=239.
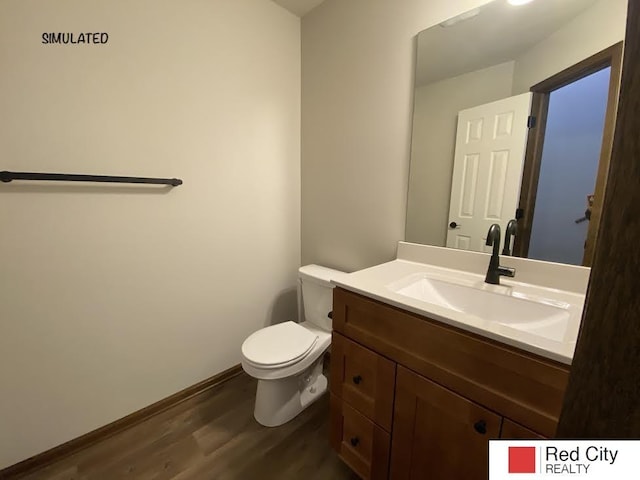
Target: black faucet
x=512 y=229
x=495 y=270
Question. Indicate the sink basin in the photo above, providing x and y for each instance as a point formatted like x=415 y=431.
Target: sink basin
x=498 y=305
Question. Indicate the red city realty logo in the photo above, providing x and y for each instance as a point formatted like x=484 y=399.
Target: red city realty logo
x=522 y=459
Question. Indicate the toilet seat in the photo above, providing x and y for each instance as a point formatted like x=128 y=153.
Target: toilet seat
x=278 y=346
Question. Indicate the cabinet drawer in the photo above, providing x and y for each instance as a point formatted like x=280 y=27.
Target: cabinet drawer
x=362 y=444
x=363 y=379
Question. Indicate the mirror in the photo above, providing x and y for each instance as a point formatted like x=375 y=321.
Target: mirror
x=514 y=110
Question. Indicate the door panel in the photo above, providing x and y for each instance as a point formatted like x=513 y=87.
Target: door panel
x=437 y=433
x=487 y=172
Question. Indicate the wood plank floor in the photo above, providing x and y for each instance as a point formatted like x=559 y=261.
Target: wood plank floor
x=211 y=436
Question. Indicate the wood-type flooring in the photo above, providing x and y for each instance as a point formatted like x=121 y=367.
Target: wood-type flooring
x=210 y=436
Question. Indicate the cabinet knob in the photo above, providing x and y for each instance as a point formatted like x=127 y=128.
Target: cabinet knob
x=480 y=426
x=357 y=379
x=355 y=441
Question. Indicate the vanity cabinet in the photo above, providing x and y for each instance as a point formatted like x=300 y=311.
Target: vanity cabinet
x=415 y=398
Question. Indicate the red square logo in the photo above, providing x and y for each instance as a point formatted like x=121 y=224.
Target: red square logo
x=522 y=459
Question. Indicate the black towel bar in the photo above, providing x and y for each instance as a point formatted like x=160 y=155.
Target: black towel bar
x=64 y=177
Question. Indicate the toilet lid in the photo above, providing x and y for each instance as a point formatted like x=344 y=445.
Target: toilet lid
x=278 y=344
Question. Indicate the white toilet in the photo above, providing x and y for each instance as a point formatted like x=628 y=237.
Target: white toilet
x=287 y=358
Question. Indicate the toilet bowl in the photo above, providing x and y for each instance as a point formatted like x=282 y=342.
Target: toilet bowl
x=287 y=358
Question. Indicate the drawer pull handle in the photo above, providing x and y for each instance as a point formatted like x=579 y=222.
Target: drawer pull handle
x=357 y=379
x=355 y=441
x=480 y=426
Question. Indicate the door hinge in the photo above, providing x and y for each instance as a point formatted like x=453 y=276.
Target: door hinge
x=519 y=213
x=531 y=121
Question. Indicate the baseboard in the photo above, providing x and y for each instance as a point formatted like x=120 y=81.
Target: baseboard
x=73 y=446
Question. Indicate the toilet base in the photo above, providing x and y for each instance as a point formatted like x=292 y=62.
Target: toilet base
x=281 y=400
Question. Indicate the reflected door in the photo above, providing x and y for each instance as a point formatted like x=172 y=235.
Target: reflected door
x=569 y=168
x=487 y=170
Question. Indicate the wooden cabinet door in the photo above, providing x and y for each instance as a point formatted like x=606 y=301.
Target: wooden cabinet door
x=515 y=431
x=437 y=434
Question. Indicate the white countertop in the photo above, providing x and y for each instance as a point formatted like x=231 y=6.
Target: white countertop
x=382 y=282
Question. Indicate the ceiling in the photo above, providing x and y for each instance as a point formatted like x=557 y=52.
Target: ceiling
x=499 y=33
x=299 y=7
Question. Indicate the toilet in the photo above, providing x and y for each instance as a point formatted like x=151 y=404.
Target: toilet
x=287 y=358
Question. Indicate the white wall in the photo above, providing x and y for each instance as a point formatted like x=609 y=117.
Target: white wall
x=116 y=297
x=435 y=119
x=357 y=97
x=597 y=28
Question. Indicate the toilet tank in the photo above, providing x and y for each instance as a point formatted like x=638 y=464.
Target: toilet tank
x=317 y=294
